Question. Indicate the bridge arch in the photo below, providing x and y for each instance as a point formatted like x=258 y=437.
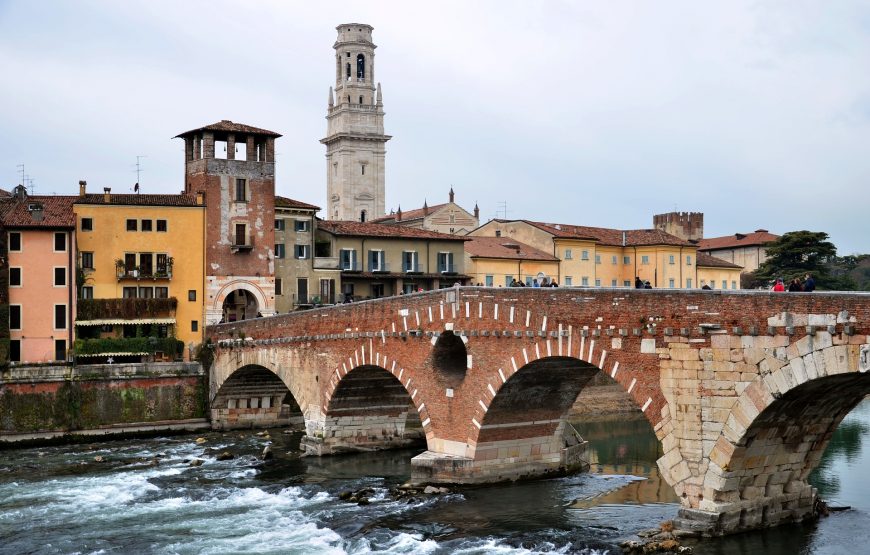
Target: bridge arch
x=253 y=396
x=264 y=307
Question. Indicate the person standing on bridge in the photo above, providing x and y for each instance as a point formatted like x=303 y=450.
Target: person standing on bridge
x=638 y=284
x=778 y=286
x=809 y=283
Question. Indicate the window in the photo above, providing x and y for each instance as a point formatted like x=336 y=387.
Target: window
x=688 y=283
x=733 y=285
x=688 y=260
x=241 y=234
x=147 y=225
x=362 y=167
x=445 y=262
x=132 y=225
x=487 y=280
x=613 y=283
x=162 y=264
x=568 y=254
x=279 y=224
x=87 y=224
x=597 y=283
x=60 y=277
x=360 y=66
x=614 y=259
x=508 y=280
x=300 y=225
x=15 y=317
x=279 y=250
x=146 y=292
x=161 y=292
x=15 y=350
x=584 y=281
x=129 y=293
x=279 y=286
x=724 y=284
x=644 y=259
x=301 y=252
x=671 y=283
x=598 y=259
x=60 y=242
x=88 y=260
x=60 y=349
x=347 y=259
x=626 y=260
x=409 y=261
x=60 y=316
x=584 y=255
x=14 y=277
x=194 y=325
x=87 y=292
x=14 y=241
x=146 y=266
x=129 y=263
x=241 y=190
x=569 y=280
x=191 y=294
x=362 y=216
x=161 y=226
x=376 y=261
x=626 y=283
x=498 y=234
x=671 y=259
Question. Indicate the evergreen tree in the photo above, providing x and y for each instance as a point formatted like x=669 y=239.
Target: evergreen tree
x=798 y=253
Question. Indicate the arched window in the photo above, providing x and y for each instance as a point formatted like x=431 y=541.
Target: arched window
x=362 y=216
x=360 y=99
x=360 y=66
x=348 y=71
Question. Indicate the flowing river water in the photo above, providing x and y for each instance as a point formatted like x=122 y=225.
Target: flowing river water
x=61 y=500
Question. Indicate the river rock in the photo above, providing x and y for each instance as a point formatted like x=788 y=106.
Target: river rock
x=225 y=456
x=200 y=440
x=363 y=501
x=267 y=453
x=100 y=459
x=345 y=495
x=196 y=462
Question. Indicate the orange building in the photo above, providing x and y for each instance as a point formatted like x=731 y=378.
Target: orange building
x=40 y=239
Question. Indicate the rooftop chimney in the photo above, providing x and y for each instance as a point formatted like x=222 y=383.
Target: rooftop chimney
x=83 y=186
x=107 y=194
x=425 y=208
x=451 y=193
x=200 y=197
x=476 y=212
x=399 y=214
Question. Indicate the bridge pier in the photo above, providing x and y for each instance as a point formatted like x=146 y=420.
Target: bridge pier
x=557 y=454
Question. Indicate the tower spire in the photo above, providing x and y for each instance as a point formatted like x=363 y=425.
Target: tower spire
x=331 y=99
x=380 y=96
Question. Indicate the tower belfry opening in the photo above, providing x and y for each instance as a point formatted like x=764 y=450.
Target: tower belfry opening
x=355 y=130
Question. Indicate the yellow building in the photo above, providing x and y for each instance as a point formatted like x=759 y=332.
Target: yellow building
x=142 y=262
x=497 y=262
x=603 y=257
x=716 y=273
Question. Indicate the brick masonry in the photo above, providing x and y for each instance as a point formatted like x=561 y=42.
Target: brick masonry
x=743 y=389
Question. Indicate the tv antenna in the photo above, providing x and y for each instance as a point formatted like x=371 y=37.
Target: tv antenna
x=502 y=208
x=139 y=171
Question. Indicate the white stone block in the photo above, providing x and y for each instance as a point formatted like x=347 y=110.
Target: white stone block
x=648 y=346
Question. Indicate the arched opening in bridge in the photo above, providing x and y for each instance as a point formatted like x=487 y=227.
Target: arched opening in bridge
x=240 y=305
x=254 y=397
x=771 y=463
x=450 y=358
x=370 y=410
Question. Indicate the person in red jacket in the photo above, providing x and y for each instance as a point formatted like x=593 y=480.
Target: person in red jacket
x=779 y=286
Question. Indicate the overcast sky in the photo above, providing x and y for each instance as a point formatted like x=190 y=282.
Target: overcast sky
x=590 y=113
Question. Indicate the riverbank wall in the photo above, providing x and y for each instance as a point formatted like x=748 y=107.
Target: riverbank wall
x=45 y=402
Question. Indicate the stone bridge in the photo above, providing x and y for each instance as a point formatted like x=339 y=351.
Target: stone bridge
x=743 y=389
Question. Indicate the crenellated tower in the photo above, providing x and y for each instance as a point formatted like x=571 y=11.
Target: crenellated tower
x=355 y=140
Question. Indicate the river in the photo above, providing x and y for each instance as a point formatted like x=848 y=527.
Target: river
x=61 y=500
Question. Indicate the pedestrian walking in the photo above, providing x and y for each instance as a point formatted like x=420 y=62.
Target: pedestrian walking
x=809 y=283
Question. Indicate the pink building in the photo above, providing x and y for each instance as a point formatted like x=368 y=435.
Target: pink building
x=40 y=241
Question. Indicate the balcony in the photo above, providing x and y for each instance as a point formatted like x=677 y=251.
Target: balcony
x=447 y=268
x=242 y=247
x=414 y=268
x=326 y=263
x=126 y=309
x=350 y=266
x=138 y=275
x=379 y=267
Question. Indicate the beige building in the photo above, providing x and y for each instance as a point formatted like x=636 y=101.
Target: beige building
x=603 y=257
x=303 y=278
x=497 y=262
x=743 y=249
x=355 y=140
x=443 y=218
x=378 y=260
x=716 y=273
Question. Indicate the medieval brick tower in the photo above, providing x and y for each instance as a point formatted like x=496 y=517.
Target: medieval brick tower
x=355 y=140
x=233 y=166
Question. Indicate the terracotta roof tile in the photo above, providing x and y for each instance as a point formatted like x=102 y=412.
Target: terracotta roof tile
x=414 y=214
x=141 y=200
x=285 y=202
x=704 y=260
x=611 y=237
x=56 y=212
x=757 y=238
x=228 y=126
x=369 y=229
x=501 y=247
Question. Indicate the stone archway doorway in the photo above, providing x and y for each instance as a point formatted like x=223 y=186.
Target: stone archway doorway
x=240 y=305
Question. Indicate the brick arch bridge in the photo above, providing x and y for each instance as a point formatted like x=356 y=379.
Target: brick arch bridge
x=743 y=389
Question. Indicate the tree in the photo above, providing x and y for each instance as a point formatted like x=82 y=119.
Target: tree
x=798 y=253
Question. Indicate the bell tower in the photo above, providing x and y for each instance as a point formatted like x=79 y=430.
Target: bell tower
x=355 y=140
